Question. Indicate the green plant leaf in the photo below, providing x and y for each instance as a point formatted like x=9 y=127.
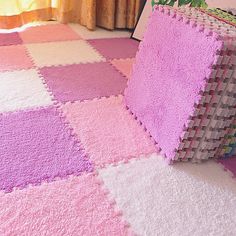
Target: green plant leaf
x=172 y=3
x=184 y=2
x=192 y=3
x=153 y=3
x=198 y=3
x=164 y=2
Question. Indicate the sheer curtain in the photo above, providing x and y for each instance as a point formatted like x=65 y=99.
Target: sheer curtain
x=15 y=13
x=109 y=14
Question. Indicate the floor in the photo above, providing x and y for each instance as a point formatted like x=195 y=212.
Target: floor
x=74 y=161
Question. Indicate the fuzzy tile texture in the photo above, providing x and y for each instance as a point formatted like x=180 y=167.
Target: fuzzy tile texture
x=40 y=34
x=99 y=33
x=37 y=146
x=168 y=76
x=14 y=58
x=46 y=184
x=63 y=53
x=115 y=48
x=229 y=164
x=22 y=89
x=75 y=206
x=76 y=82
x=183 y=199
x=106 y=129
x=10 y=39
x=124 y=66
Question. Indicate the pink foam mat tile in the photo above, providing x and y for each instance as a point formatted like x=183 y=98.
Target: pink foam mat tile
x=37 y=146
x=229 y=164
x=83 y=81
x=7 y=39
x=48 y=33
x=115 y=48
x=74 y=206
x=107 y=130
x=124 y=66
x=14 y=58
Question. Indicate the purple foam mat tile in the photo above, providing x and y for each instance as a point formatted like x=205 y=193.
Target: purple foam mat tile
x=8 y=39
x=166 y=81
x=115 y=48
x=83 y=81
x=229 y=164
x=36 y=146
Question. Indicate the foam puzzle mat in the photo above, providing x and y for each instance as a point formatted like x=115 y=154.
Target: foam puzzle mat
x=75 y=161
x=183 y=92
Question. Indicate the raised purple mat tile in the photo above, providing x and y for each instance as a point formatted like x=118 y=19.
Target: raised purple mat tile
x=229 y=164
x=83 y=81
x=35 y=146
x=115 y=48
x=169 y=73
x=10 y=39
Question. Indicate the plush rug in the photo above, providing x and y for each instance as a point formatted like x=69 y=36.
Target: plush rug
x=75 y=161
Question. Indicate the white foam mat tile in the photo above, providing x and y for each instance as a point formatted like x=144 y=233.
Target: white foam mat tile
x=22 y=89
x=99 y=33
x=183 y=199
x=63 y=53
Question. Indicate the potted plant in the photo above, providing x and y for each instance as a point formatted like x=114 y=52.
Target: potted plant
x=191 y=3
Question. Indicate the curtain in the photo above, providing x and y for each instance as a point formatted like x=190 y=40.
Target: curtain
x=79 y=11
x=109 y=14
x=113 y=14
x=14 y=13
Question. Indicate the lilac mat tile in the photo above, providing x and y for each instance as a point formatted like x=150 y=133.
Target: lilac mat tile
x=83 y=81
x=168 y=76
x=229 y=164
x=116 y=48
x=35 y=146
x=10 y=39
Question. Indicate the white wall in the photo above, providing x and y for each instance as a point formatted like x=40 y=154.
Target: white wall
x=222 y=3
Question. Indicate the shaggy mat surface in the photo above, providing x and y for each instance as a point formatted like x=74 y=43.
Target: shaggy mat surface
x=75 y=161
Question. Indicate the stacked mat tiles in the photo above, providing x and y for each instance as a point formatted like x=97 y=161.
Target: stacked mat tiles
x=184 y=81
x=231 y=19
x=229 y=145
x=229 y=148
x=227 y=32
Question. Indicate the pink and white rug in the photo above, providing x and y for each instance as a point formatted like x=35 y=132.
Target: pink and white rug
x=74 y=161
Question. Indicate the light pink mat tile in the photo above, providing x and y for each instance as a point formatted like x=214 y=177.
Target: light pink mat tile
x=107 y=131
x=48 y=33
x=76 y=206
x=14 y=58
x=124 y=66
